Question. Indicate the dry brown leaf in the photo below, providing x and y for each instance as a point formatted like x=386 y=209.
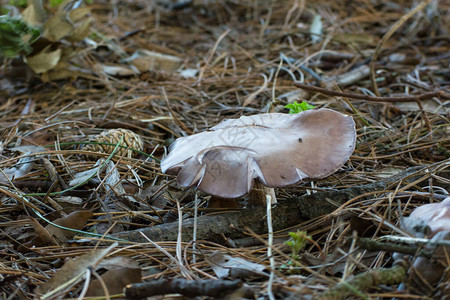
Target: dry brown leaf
x=74 y=269
x=228 y=266
x=29 y=15
x=146 y=61
x=121 y=272
x=76 y=220
x=62 y=70
x=57 y=28
x=80 y=31
x=118 y=262
x=62 y=23
x=79 y=13
x=44 y=60
x=42 y=233
x=22 y=168
x=115 y=281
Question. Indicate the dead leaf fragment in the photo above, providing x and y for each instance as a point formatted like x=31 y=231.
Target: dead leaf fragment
x=63 y=24
x=22 y=168
x=42 y=233
x=73 y=270
x=29 y=15
x=44 y=60
x=146 y=61
x=75 y=220
x=80 y=31
x=121 y=271
x=53 y=235
x=229 y=266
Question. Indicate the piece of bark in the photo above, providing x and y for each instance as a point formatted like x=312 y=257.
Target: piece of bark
x=286 y=213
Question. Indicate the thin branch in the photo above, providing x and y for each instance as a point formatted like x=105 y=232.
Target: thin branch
x=438 y=94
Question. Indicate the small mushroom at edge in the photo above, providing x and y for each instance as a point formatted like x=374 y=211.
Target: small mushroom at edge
x=270 y=150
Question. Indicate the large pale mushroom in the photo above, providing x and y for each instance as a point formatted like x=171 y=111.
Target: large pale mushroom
x=275 y=150
x=431 y=221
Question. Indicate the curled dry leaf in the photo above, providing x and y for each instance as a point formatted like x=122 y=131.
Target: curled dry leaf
x=145 y=61
x=277 y=149
x=30 y=16
x=74 y=270
x=121 y=271
x=22 y=168
x=52 y=235
x=75 y=220
x=45 y=60
x=63 y=23
x=234 y=267
x=42 y=233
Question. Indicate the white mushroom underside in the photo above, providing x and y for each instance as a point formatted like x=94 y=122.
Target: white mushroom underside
x=278 y=149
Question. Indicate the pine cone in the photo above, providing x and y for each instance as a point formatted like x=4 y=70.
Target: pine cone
x=113 y=136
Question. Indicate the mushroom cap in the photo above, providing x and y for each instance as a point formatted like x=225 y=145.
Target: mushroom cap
x=434 y=215
x=277 y=149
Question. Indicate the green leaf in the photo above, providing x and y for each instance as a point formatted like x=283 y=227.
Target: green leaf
x=54 y=3
x=295 y=107
x=19 y=3
x=16 y=36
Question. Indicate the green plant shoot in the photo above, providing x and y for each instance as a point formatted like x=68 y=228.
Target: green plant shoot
x=19 y=3
x=297 y=242
x=54 y=3
x=295 y=107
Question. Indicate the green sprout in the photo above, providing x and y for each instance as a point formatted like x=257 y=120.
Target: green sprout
x=16 y=36
x=19 y=3
x=295 y=107
x=54 y=3
x=297 y=242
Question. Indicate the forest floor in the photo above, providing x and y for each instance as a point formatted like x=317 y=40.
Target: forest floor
x=167 y=69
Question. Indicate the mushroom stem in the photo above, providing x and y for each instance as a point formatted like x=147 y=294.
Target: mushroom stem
x=257 y=196
x=218 y=202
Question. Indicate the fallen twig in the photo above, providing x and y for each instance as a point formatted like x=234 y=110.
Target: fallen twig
x=188 y=288
x=373 y=245
x=286 y=213
x=438 y=94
